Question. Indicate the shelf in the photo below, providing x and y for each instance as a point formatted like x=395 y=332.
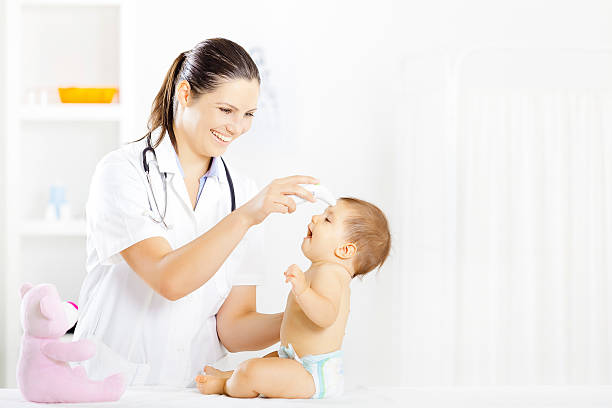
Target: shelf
x=72 y=112
x=55 y=43
x=85 y=3
x=42 y=228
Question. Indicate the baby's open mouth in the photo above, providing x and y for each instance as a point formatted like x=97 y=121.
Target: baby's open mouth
x=309 y=233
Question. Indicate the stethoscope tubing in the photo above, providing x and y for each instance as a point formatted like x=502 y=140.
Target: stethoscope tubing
x=164 y=176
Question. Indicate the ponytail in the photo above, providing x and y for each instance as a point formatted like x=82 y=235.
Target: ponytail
x=162 y=110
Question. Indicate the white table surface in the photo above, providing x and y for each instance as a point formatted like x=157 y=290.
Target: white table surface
x=378 y=397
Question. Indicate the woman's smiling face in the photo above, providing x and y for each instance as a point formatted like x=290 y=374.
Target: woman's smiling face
x=213 y=120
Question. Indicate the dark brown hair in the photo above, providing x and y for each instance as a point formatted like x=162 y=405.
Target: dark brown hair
x=204 y=67
x=368 y=229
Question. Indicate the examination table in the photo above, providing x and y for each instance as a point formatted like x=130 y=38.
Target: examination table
x=378 y=397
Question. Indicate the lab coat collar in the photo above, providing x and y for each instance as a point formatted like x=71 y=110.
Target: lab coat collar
x=213 y=170
x=167 y=160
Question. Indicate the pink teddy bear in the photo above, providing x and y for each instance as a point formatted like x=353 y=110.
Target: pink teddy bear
x=43 y=373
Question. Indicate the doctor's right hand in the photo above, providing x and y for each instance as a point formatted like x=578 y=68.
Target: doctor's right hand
x=275 y=197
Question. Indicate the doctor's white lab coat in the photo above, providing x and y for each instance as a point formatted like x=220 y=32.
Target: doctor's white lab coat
x=151 y=339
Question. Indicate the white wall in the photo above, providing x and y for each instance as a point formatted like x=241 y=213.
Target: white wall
x=455 y=26
x=449 y=302
x=2 y=182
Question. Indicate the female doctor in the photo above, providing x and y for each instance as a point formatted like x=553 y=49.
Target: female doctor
x=171 y=269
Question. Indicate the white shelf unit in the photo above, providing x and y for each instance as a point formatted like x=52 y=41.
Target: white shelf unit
x=85 y=3
x=71 y=112
x=42 y=228
x=51 y=44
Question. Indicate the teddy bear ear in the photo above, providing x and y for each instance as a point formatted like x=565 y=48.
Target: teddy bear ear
x=49 y=306
x=24 y=289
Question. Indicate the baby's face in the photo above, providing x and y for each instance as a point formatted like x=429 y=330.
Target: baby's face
x=325 y=233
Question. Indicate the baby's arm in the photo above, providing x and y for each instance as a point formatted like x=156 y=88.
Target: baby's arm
x=320 y=300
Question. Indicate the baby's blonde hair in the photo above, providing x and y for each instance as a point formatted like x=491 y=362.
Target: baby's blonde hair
x=368 y=229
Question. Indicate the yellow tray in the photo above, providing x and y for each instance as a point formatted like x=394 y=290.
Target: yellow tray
x=87 y=95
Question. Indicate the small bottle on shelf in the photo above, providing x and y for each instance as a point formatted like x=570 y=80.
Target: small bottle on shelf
x=58 y=208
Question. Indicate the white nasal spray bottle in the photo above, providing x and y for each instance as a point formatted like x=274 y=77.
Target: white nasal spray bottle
x=320 y=193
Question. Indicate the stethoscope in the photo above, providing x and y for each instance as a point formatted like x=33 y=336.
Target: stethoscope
x=163 y=176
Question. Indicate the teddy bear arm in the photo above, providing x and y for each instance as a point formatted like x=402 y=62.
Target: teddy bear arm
x=70 y=351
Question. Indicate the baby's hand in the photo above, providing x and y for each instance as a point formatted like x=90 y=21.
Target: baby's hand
x=296 y=277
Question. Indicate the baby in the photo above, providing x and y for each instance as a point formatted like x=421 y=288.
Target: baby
x=348 y=239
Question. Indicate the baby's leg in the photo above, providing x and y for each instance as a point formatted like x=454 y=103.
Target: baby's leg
x=273 y=377
x=210 y=370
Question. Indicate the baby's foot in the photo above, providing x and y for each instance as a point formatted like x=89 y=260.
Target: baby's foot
x=210 y=384
x=210 y=370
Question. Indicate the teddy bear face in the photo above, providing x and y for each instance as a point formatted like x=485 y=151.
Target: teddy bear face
x=43 y=313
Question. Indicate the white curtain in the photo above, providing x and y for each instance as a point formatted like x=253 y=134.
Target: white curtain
x=506 y=234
